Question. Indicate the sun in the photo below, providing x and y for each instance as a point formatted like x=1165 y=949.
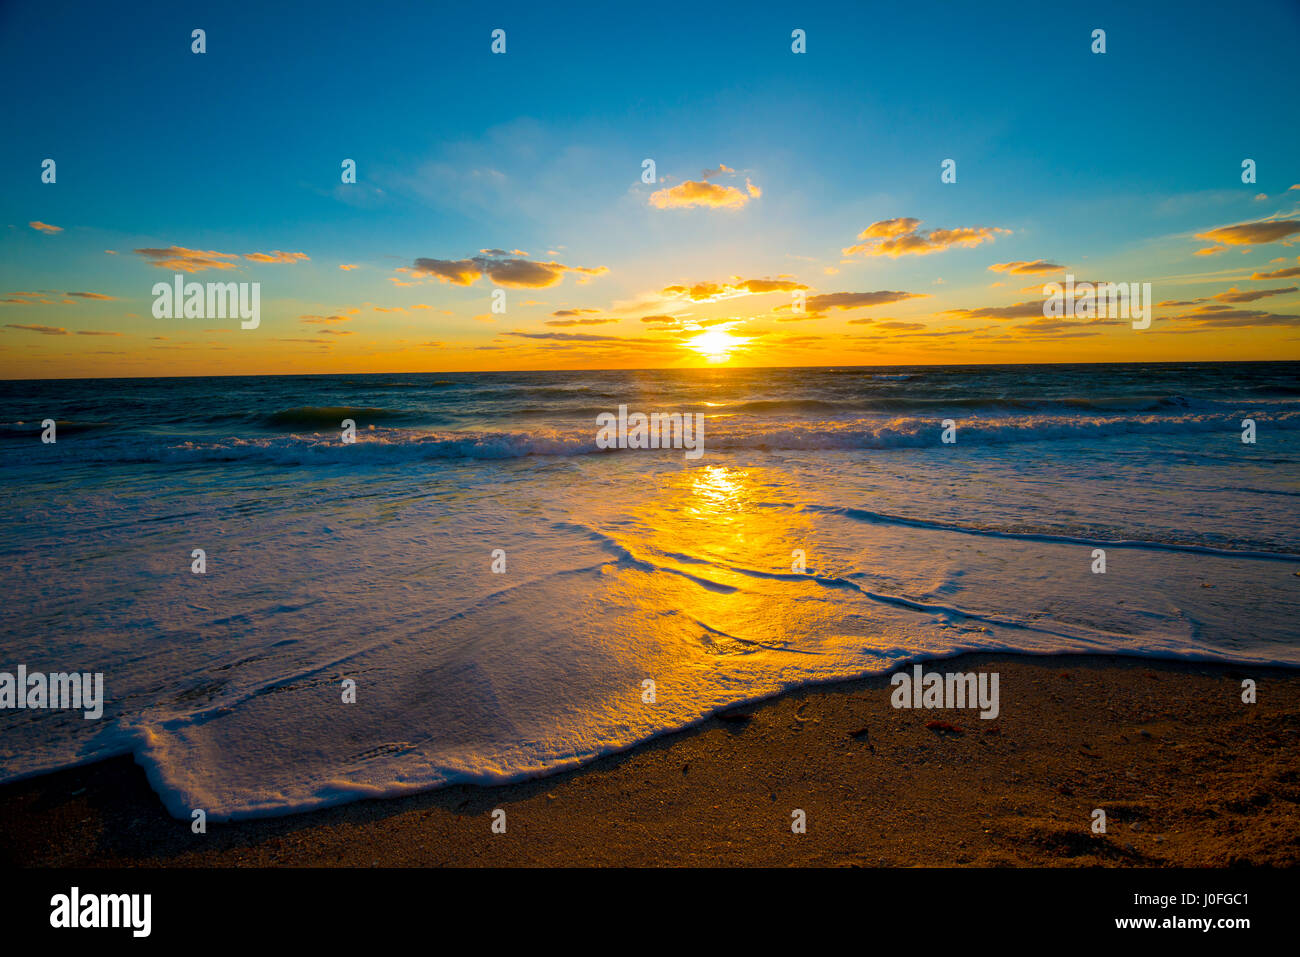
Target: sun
x=716 y=345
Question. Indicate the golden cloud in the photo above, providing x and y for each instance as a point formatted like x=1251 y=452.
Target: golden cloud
x=1035 y=267
x=1249 y=234
x=1284 y=273
x=901 y=237
x=181 y=259
x=512 y=272
x=704 y=193
x=709 y=291
x=1209 y=317
x=1019 y=310
x=43 y=330
x=1250 y=295
x=276 y=257
x=854 y=300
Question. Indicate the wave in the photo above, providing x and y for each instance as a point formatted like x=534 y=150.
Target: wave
x=395 y=445
x=30 y=430
x=882 y=518
x=331 y=416
x=1015 y=405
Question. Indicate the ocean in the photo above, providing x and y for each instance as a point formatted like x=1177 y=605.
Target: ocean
x=510 y=599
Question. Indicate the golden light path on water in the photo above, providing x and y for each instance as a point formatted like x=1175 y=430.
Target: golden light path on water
x=714 y=546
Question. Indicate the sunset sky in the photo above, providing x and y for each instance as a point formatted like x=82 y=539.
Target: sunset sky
x=776 y=172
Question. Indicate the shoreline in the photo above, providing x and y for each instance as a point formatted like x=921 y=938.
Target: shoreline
x=1187 y=774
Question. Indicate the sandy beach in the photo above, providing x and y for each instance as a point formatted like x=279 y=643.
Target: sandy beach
x=1187 y=774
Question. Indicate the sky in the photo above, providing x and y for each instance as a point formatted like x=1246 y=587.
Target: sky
x=797 y=214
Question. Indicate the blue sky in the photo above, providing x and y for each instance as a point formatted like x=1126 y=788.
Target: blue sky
x=1095 y=162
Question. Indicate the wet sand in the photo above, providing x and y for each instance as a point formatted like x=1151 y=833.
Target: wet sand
x=1187 y=774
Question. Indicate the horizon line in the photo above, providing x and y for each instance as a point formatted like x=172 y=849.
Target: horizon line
x=463 y=372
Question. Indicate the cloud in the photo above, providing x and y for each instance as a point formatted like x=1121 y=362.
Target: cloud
x=1035 y=267
x=45 y=227
x=1207 y=317
x=1236 y=295
x=855 y=300
x=757 y=287
x=1065 y=328
x=43 y=330
x=32 y=298
x=574 y=337
x=526 y=274
x=458 y=272
x=40 y=298
x=276 y=257
x=1249 y=234
x=579 y=322
x=697 y=292
x=1037 y=288
x=901 y=237
x=702 y=192
x=709 y=291
x=346 y=267
x=319 y=320
x=511 y=271
x=181 y=259
x=96 y=332
x=1020 y=310
x=1284 y=273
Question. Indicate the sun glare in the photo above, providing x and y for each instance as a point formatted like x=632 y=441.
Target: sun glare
x=716 y=345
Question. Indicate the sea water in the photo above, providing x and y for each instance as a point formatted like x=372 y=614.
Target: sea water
x=827 y=531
